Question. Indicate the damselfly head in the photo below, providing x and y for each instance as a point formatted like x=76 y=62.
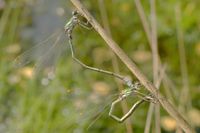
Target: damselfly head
x=74 y=13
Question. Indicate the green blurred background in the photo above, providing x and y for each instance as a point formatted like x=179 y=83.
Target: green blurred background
x=71 y=99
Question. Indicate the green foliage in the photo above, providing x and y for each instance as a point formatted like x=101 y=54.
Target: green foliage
x=72 y=100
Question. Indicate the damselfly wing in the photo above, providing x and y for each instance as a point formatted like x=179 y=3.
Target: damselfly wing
x=45 y=54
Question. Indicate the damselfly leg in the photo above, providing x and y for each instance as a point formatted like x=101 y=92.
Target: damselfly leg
x=128 y=114
x=123 y=96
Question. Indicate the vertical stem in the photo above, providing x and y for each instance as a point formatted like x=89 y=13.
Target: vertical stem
x=155 y=56
x=15 y=19
x=184 y=95
x=151 y=107
x=148 y=119
x=4 y=19
x=166 y=79
x=183 y=65
x=143 y=20
x=115 y=64
x=154 y=41
x=146 y=27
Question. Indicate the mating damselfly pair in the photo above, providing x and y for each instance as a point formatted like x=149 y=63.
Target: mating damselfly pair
x=43 y=61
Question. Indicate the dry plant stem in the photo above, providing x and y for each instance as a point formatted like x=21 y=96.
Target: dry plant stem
x=115 y=64
x=148 y=119
x=184 y=95
x=166 y=79
x=154 y=45
x=128 y=62
x=143 y=19
x=154 y=42
x=148 y=34
x=151 y=107
x=152 y=38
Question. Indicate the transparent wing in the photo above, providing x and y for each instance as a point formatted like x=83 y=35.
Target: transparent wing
x=35 y=52
x=43 y=55
x=51 y=56
x=94 y=111
x=100 y=111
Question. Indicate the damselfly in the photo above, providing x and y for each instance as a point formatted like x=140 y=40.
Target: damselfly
x=133 y=88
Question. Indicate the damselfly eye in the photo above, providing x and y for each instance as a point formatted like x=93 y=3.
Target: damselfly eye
x=74 y=13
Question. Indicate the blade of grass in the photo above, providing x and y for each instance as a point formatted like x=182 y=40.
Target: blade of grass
x=15 y=18
x=133 y=68
x=4 y=19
